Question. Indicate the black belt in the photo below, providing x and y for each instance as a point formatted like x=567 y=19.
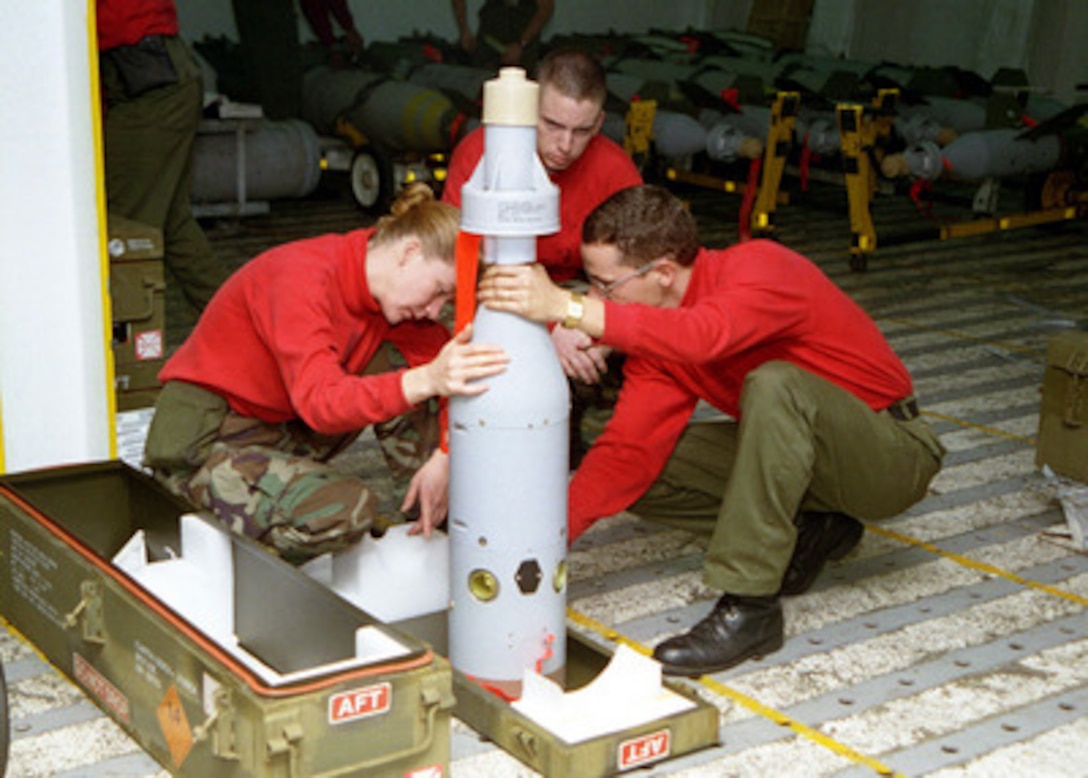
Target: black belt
x=903 y=410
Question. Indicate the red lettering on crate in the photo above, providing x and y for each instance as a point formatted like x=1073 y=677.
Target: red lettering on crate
x=359 y=703
x=96 y=683
x=643 y=750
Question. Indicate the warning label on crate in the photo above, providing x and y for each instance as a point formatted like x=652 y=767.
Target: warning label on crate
x=149 y=345
x=175 y=725
x=360 y=703
x=643 y=750
x=97 y=684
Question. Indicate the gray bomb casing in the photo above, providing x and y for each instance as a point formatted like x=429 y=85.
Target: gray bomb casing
x=509 y=445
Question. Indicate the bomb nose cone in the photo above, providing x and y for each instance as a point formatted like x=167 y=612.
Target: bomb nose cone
x=511 y=99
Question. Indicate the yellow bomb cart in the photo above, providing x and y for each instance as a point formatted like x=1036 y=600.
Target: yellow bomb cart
x=269 y=675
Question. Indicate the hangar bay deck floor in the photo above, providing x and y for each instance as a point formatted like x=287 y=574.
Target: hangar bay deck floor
x=953 y=641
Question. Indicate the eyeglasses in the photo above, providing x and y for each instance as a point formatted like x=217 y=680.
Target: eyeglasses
x=606 y=290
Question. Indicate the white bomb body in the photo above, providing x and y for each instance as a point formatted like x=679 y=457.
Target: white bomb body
x=509 y=446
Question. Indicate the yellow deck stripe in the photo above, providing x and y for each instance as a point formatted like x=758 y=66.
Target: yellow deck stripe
x=980 y=427
x=975 y=565
x=754 y=705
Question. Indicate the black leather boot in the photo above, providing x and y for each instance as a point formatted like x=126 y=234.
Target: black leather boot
x=820 y=537
x=738 y=628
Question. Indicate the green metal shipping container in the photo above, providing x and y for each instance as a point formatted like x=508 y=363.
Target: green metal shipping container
x=185 y=698
x=1063 y=415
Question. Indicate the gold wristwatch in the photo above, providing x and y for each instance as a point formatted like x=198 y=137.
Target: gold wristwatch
x=575 y=310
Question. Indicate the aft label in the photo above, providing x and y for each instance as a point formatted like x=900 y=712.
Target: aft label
x=360 y=703
x=645 y=749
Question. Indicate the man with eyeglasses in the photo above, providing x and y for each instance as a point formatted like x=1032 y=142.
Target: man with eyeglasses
x=587 y=167
x=822 y=426
x=605 y=290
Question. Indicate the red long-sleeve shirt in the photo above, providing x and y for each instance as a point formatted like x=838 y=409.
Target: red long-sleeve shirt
x=600 y=172
x=125 y=22
x=744 y=306
x=288 y=334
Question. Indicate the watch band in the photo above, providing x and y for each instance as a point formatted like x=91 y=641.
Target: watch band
x=575 y=310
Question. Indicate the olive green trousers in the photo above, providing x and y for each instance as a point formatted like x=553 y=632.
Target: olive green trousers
x=149 y=169
x=802 y=444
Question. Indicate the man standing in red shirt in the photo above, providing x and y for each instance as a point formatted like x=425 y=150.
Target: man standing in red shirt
x=824 y=424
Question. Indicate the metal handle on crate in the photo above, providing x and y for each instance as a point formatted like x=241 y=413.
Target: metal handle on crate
x=88 y=611
x=200 y=731
x=287 y=744
x=219 y=726
x=527 y=741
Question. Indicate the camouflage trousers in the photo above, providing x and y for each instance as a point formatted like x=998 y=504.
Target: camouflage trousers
x=273 y=481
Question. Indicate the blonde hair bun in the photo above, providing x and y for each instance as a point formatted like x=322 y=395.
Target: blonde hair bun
x=417 y=212
x=413 y=194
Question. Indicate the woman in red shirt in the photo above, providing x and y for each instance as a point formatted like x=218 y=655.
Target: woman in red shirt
x=298 y=352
